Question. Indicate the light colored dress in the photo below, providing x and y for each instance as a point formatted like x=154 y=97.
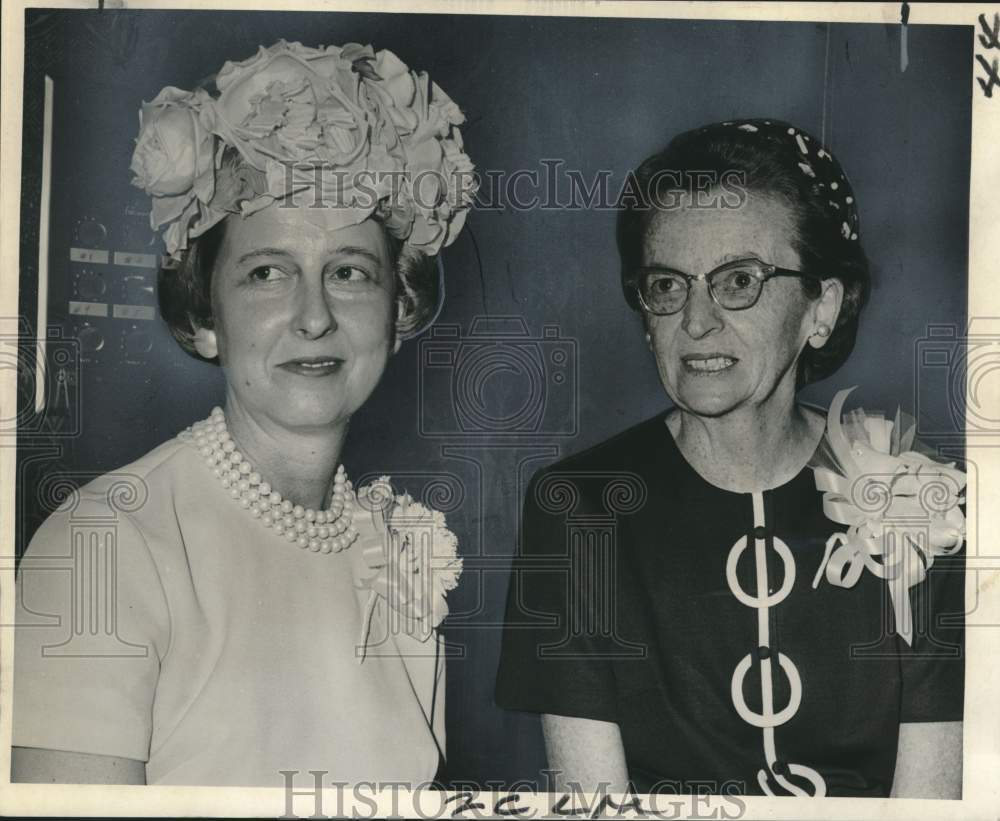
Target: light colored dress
x=157 y=620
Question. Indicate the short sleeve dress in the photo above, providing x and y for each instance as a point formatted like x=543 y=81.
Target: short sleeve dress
x=646 y=596
x=158 y=620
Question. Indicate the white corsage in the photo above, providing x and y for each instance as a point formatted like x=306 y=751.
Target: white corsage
x=901 y=507
x=412 y=568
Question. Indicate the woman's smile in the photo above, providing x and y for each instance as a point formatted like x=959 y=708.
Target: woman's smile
x=313 y=366
x=713 y=364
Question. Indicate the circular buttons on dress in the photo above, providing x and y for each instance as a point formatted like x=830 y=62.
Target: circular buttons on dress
x=779 y=768
x=760 y=532
x=763 y=652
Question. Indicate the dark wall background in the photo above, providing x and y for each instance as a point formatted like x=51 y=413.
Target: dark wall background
x=596 y=94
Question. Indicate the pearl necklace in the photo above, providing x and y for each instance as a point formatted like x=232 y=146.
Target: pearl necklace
x=321 y=531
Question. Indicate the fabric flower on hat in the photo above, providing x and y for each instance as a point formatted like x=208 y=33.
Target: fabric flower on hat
x=902 y=508
x=174 y=157
x=347 y=128
x=415 y=565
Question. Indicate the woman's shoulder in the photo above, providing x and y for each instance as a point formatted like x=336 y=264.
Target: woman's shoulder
x=615 y=472
x=118 y=498
x=155 y=464
x=622 y=451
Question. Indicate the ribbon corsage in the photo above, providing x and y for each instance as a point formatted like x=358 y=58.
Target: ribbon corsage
x=411 y=568
x=902 y=508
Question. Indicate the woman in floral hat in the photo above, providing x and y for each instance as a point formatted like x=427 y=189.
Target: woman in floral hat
x=270 y=617
x=764 y=618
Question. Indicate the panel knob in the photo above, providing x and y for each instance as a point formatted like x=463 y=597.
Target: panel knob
x=137 y=343
x=90 y=286
x=91 y=339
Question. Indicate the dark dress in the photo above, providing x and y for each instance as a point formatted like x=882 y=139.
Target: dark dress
x=620 y=610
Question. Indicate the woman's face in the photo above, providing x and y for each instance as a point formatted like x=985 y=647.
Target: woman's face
x=304 y=315
x=711 y=360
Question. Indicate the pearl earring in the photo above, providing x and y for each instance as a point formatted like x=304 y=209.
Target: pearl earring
x=823 y=330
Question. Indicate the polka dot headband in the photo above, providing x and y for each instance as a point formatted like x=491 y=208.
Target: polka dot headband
x=813 y=160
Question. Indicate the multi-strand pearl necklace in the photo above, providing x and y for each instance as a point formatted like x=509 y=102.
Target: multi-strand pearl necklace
x=321 y=531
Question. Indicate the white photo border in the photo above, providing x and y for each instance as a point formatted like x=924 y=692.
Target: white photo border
x=981 y=793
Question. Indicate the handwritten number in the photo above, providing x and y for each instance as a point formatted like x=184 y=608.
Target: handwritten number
x=992 y=75
x=990 y=38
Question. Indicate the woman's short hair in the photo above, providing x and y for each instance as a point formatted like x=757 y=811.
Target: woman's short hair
x=767 y=157
x=184 y=290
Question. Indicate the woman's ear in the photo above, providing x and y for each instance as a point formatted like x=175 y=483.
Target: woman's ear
x=205 y=342
x=825 y=311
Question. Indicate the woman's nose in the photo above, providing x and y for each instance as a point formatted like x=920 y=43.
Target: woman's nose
x=702 y=315
x=314 y=312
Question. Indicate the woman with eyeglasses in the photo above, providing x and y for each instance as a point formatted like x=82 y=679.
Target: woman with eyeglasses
x=744 y=618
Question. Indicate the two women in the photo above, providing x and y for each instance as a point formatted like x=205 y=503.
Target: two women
x=740 y=640
x=730 y=632
x=259 y=594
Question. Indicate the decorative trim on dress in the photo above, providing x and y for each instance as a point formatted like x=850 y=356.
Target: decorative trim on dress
x=768 y=719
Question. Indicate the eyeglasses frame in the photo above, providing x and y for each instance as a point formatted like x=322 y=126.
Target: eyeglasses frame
x=770 y=272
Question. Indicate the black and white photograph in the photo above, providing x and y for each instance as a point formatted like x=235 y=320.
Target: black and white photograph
x=481 y=409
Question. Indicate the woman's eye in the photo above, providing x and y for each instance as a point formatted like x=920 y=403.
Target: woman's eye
x=738 y=281
x=349 y=273
x=665 y=285
x=266 y=273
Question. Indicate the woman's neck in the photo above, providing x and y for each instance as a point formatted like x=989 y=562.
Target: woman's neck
x=300 y=465
x=748 y=449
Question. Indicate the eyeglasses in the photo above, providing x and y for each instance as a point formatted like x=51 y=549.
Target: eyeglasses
x=735 y=286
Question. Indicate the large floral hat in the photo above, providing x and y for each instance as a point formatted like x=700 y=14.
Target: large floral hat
x=349 y=130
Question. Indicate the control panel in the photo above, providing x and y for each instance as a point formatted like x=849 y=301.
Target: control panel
x=112 y=300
